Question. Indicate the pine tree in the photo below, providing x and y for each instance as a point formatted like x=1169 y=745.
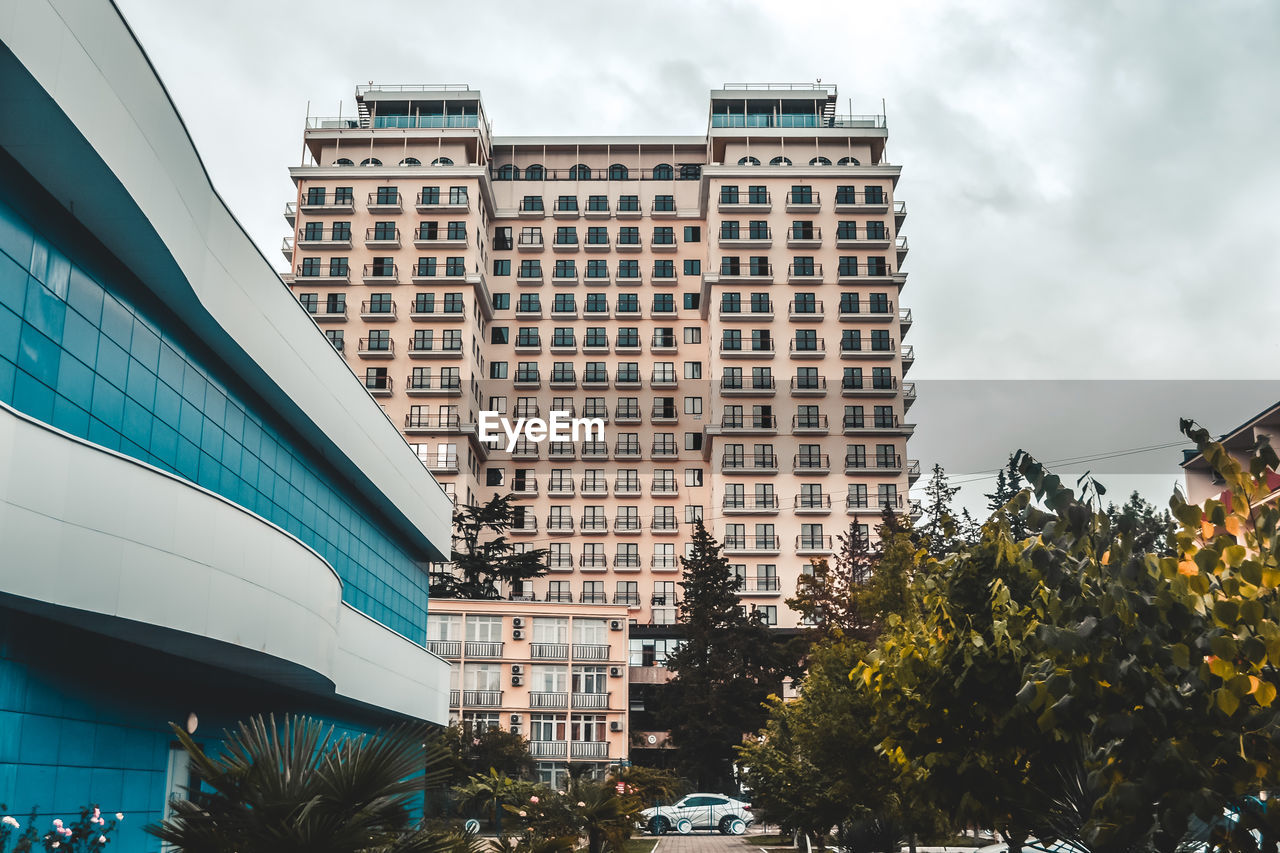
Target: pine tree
x=1009 y=484
x=939 y=526
x=727 y=666
x=483 y=556
x=829 y=596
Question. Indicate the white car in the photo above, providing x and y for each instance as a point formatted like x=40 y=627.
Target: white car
x=699 y=811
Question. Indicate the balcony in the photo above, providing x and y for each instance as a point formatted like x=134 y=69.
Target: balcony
x=291 y=213
x=527 y=242
x=745 y=545
x=663 y=379
x=808 y=386
x=899 y=213
x=855 y=202
x=851 y=239
x=662 y=343
x=750 y=202
x=549 y=651
x=624 y=416
x=330 y=239
x=665 y=526
x=591 y=598
x=630 y=599
x=908 y=358
x=804 y=238
x=559 y=525
x=382 y=238
x=882 y=464
x=563 y=379
x=747 y=274
x=811 y=544
x=812 y=504
x=807 y=312
x=868 y=311
x=629 y=242
x=593 y=561
x=904 y=321
x=431 y=201
x=760 y=586
x=531 y=206
x=482 y=698
x=479 y=649
x=763 y=349
x=564 y=277
x=805 y=201
x=430 y=348
x=751 y=386
x=384 y=203
x=627 y=524
x=760 y=238
x=750 y=424
x=376 y=348
x=626 y=562
x=560 y=597
x=376 y=312
x=901 y=247
x=869 y=274
x=378 y=386
x=527 y=527
x=548 y=748
x=761 y=463
x=810 y=424
x=381 y=274
x=858 y=349
x=663 y=451
x=326 y=204
x=627 y=488
x=528 y=277
x=528 y=346
x=662 y=563
x=808 y=348
x=561 y=450
x=447 y=464
x=593 y=450
x=913 y=471
x=804 y=273
x=754 y=505
x=811 y=464
x=526 y=489
x=527 y=380
x=664 y=488
x=592 y=651
x=663 y=243
x=626 y=451
x=325 y=314
x=627 y=379
x=548 y=700
x=333 y=275
x=853 y=386
x=432 y=239
x=760 y=312
x=591 y=701
x=877 y=426
x=445 y=648
x=663 y=414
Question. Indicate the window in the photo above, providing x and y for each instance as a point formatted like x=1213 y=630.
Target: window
x=454 y=266
x=553 y=630
x=309 y=301
x=442 y=161
x=692 y=334
x=664 y=269
x=497 y=370
x=484 y=629
x=780 y=161
x=530 y=268
x=567 y=203
x=664 y=203
x=309 y=267
x=335 y=338
x=629 y=269
x=663 y=172
x=618 y=172
x=502 y=237
x=628 y=203
x=628 y=303
x=457 y=195
x=580 y=172
x=664 y=236
x=564 y=303
x=597 y=303
x=501 y=301
x=506 y=172
x=387 y=195
x=692 y=267
x=501 y=266
x=531 y=202
x=849 y=161
x=535 y=173
x=693 y=233
x=693 y=405
x=819 y=161
x=597 y=269
x=748 y=161
x=372 y=161
x=693 y=370
x=664 y=303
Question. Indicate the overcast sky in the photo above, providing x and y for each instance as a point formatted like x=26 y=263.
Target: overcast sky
x=1093 y=193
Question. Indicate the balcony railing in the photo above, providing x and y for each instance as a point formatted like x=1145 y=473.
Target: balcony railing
x=752 y=543
x=812 y=462
x=548 y=700
x=445 y=648
x=757 y=462
x=745 y=423
x=591 y=701
x=804 y=272
x=430 y=421
x=756 y=503
x=808 y=385
x=589 y=749
x=549 y=651
x=591 y=651
x=548 y=748
x=631 y=599
x=481 y=649
x=809 y=423
x=812 y=503
x=808 y=347
x=591 y=598
x=812 y=544
x=482 y=698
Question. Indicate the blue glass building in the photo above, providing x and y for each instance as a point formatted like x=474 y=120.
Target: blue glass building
x=203 y=516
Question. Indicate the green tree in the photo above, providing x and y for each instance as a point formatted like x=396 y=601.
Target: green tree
x=1009 y=484
x=726 y=667
x=488 y=793
x=651 y=785
x=938 y=526
x=1153 y=529
x=294 y=787
x=483 y=556
x=490 y=748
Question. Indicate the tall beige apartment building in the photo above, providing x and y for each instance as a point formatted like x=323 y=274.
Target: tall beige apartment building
x=728 y=303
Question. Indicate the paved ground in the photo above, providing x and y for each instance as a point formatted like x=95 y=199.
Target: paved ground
x=710 y=842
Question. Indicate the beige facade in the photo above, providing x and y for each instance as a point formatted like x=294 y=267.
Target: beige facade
x=556 y=674
x=1204 y=483
x=729 y=303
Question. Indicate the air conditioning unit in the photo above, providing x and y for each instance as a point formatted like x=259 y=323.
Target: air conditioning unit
x=517 y=680
x=515 y=719
x=517 y=635
x=615 y=726
x=515 y=730
x=615 y=672
x=517 y=622
x=615 y=624
x=517 y=669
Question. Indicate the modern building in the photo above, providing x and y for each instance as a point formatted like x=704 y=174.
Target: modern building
x=727 y=303
x=203 y=515
x=555 y=674
x=1204 y=483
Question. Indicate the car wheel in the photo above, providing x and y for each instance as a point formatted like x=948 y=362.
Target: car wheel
x=659 y=825
x=684 y=826
x=737 y=826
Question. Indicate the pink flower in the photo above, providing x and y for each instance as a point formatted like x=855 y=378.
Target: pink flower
x=119 y=815
x=533 y=799
x=524 y=814
x=97 y=812
x=55 y=845
x=65 y=831
x=9 y=820
x=57 y=822
x=581 y=804
x=102 y=839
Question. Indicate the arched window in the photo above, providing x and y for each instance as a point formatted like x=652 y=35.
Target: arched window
x=849 y=161
x=580 y=172
x=618 y=172
x=506 y=172
x=748 y=161
x=535 y=173
x=819 y=161
x=411 y=161
x=371 y=161
x=690 y=172
x=343 y=161
x=442 y=161
x=663 y=172
x=780 y=161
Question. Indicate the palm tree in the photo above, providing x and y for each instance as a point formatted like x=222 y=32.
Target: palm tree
x=489 y=793
x=604 y=816
x=295 y=787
